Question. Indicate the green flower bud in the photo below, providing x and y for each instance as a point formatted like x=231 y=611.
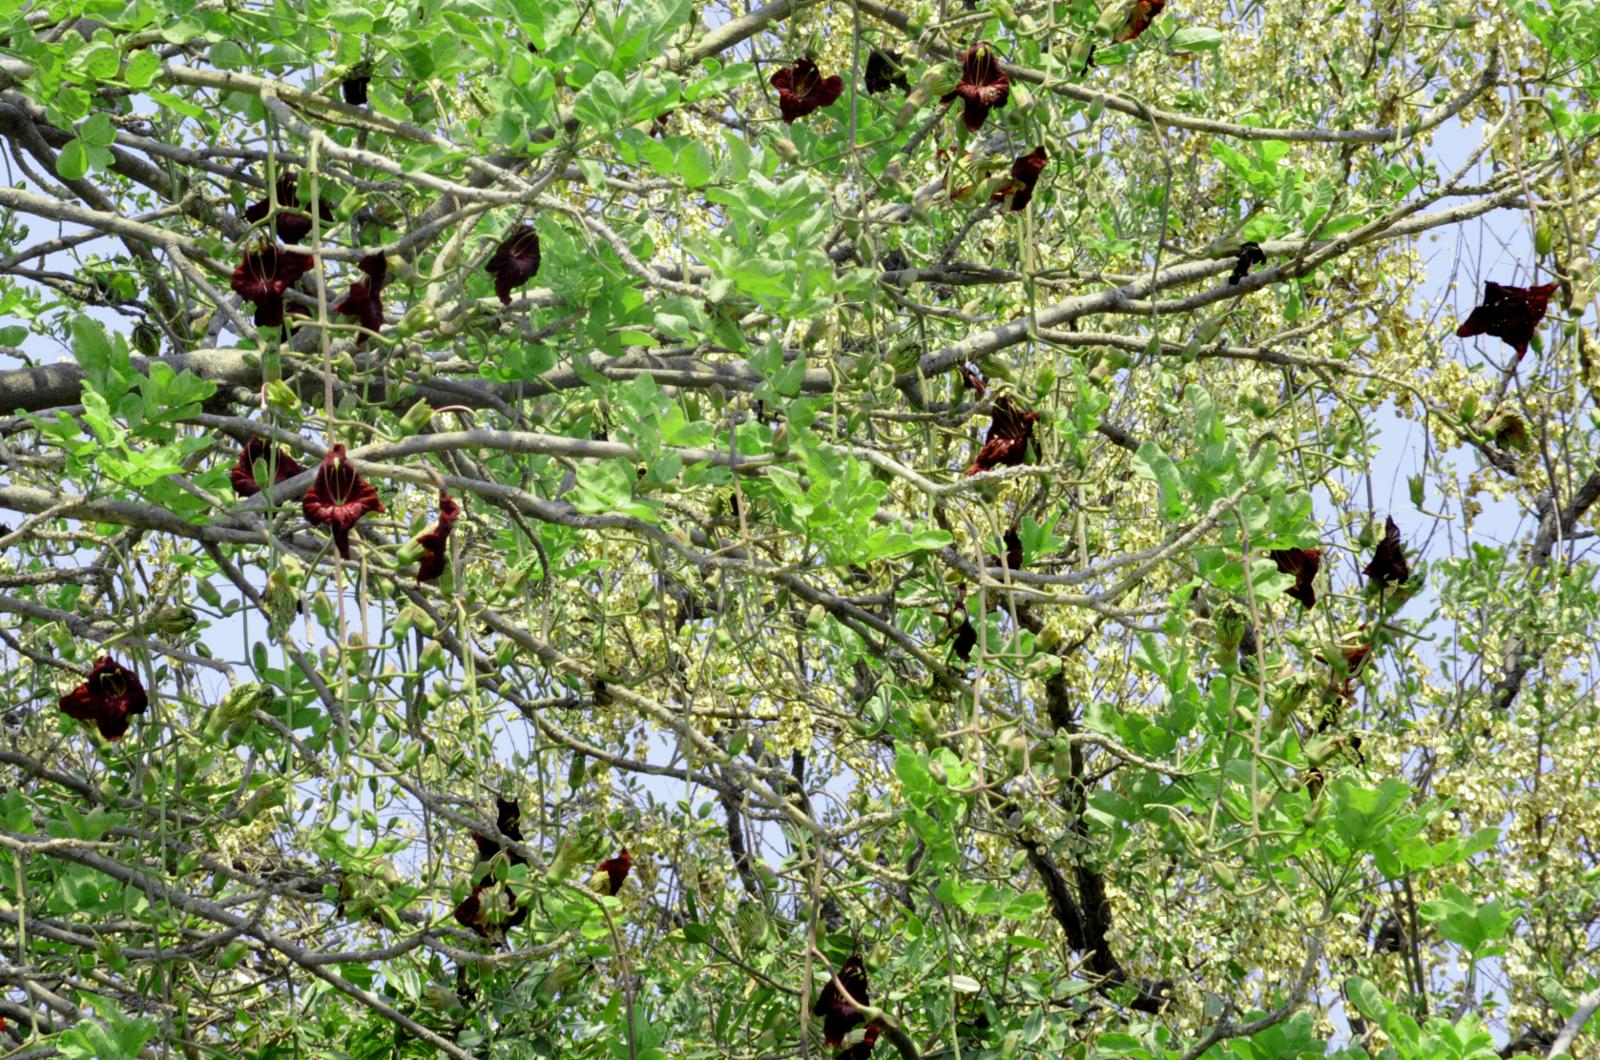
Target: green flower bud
x=416 y=418
x=281 y=396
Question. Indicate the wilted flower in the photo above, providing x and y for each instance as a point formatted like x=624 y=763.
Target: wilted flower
x=244 y=472
x=338 y=497
x=1010 y=432
x=802 y=89
x=983 y=86
x=1025 y=170
x=107 y=697
x=514 y=262
x=1508 y=313
x=433 y=542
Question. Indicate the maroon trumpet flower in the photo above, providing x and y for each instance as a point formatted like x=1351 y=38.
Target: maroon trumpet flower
x=514 y=262
x=1508 y=313
x=839 y=1002
x=107 y=697
x=433 y=542
x=1143 y=13
x=473 y=912
x=972 y=380
x=983 y=86
x=244 y=472
x=364 y=302
x=802 y=89
x=1249 y=254
x=1012 y=556
x=1303 y=563
x=354 y=85
x=292 y=224
x=1010 y=432
x=966 y=639
x=616 y=870
x=884 y=71
x=338 y=497
x=1388 y=564
x=262 y=277
x=1025 y=170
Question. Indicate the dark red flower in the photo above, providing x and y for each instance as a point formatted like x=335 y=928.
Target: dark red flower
x=1249 y=254
x=966 y=639
x=433 y=542
x=1388 y=564
x=338 y=497
x=1303 y=563
x=1025 y=170
x=292 y=224
x=1508 y=313
x=107 y=697
x=473 y=912
x=244 y=472
x=616 y=870
x=262 y=277
x=862 y=1049
x=974 y=382
x=1139 y=18
x=983 y=86
x=884 y=71
x=658 y=128
x=354 y=85
x=1013 y=555
x=802 y=89
x=514 y=262
x=1006 y=444
x=837 y=1004
x=364 y=302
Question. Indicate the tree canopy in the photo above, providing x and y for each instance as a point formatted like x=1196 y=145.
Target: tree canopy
x=640 y=528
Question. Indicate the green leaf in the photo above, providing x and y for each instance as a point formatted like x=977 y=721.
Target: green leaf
x=1196 y=39
x=142 y=69
x=73 y=161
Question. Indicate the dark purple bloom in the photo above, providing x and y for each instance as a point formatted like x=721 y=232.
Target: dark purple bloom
x=433 y=542
x=338 y=497
x=364 y=302
x=514 y=262
x=262 y=277
x=107 y=697
x=884 y=71
x=292 y=224
x=1508 y=313
x=1303 y=563
x=616 y=870
x=244 y=472
x=473 y=912
x=966 y=639
x=1010 y=432
x=1140 y=16
x=1388 y=564
x=839 y=1002
x=1249 y=254
x=354 y=85
x=1025 y=170
x=983 y=86
x=1013 y=553
x=802 y=89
